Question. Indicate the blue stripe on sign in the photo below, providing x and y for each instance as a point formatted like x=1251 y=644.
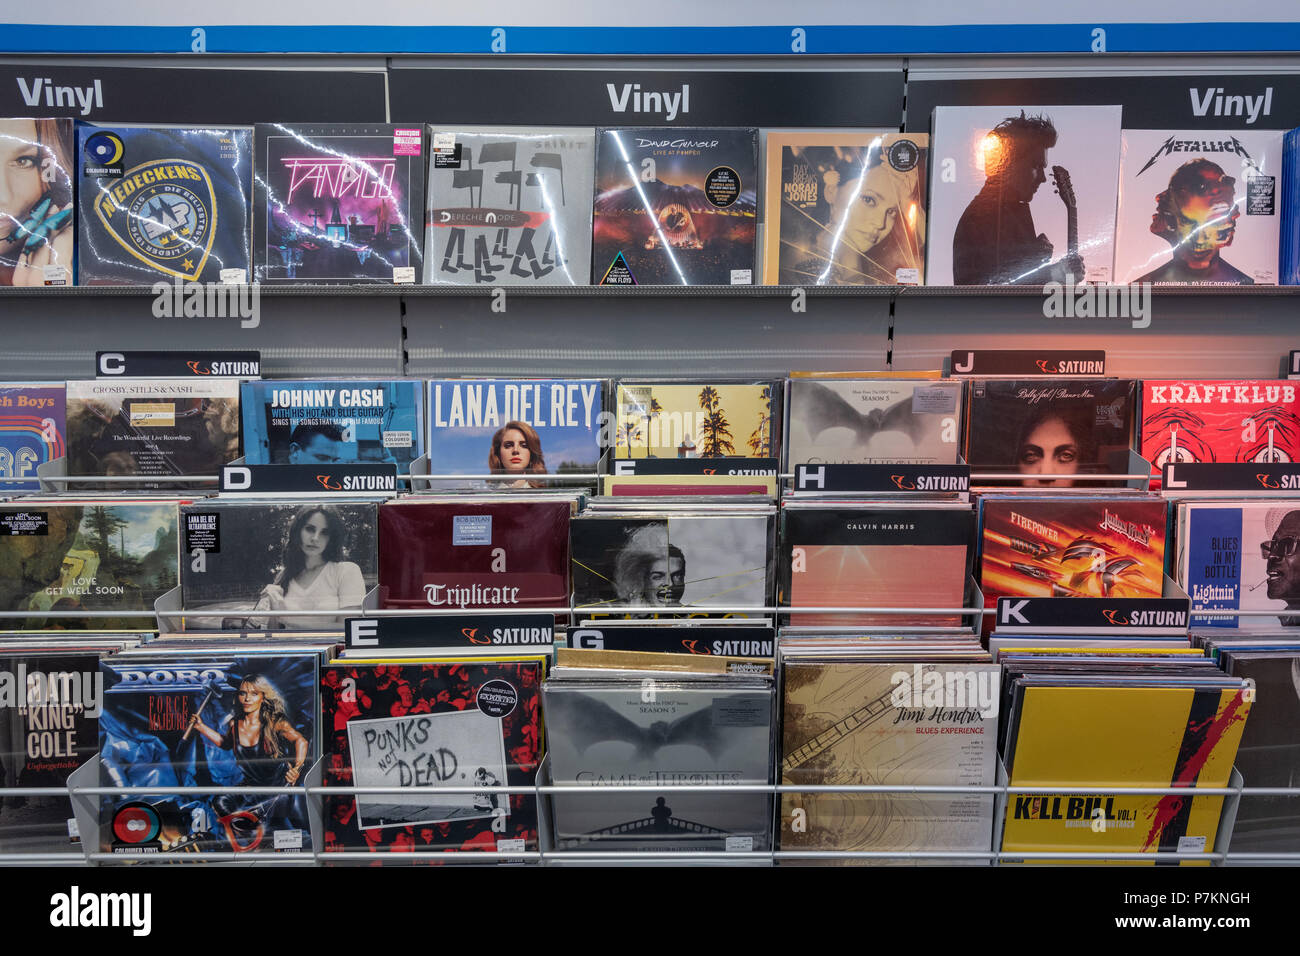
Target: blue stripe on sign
x=977 y=38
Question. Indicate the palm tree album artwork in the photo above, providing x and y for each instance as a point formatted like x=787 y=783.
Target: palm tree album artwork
x=695 y=420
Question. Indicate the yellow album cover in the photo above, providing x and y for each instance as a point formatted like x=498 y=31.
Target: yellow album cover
x=695 y=420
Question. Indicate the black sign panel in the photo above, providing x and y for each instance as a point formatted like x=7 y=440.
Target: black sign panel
x=649 y=97
x=1193 y=101
x=192 y=95
x=762 y=467
x=462 y=631
x=1101 y=616
x=1020 y=362
x=1293 y=366
x=737 y=641
x=178 y=364
x=369 y=478
x=1230 y=476
x=910 y=479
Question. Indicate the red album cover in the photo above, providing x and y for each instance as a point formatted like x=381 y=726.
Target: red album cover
x=454 y=552
x=431 y=725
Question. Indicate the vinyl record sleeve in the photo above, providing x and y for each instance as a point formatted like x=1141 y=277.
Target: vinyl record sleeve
x=333 y=420
x=337 y=203
x=675 y=207
x=510 y=206
x=1201 y=207
x=845 y=208
x=162 y=204
x=33 y=430
x=993 y=196
x=695 y=420
x=37 y=214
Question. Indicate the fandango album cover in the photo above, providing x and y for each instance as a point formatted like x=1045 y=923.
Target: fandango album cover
x=209 y=721
x=163 y=204
x=37 y=214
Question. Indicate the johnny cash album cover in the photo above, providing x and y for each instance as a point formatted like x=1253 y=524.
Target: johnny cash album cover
x=164 y=428
x=1037 y=427
x=872 y=421
x=97 y=555
x=207 y=721
x=675 y=207
x=32 y=432
x=38 y=229
x=683 y=563
x=338 y=203
x=1023 y=195
x=432 y=725
x=845 y=208
x=515 y=427
x=160 y=204
x=49 y=710
x=325 y=421
x=510 y=206
x=471 y=552
x=244 y=561
x=695 y=420
x=1199 y=207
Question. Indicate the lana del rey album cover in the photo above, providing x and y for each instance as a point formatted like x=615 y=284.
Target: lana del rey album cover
x=675 y=207
x=510 y=206
x=433 y=725
x=1023 y=195
x=338 y=203
x=163 y=204
x=1199 y=207
x=38 y=229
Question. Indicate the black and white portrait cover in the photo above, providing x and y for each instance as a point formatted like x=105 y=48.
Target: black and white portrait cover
x=1199 y=207
x=1038 y=427
x=683 y=563
x=510 y=206
x=1023 y=195
x=242 y=562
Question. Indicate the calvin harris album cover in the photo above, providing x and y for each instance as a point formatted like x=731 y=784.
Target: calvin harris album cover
x=872 y=421
x=38 y=231
x=32 y=431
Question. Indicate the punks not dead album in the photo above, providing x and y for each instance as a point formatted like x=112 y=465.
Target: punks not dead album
x=326 y=421
x=433 y=725
x=1023 y=195
x=845 y=208
x=208 y=720
x=510 y=206
x=32 y=431
x=245 y=562
x=38 y=223
x=695 y=420
x=872 y=421
x=1199 y=207
x=675 y=207
x=161 y=204
x=471 y=552
x=1050 y=430
x=337 y=203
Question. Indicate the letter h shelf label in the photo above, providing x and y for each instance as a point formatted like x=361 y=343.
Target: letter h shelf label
x=918 y=480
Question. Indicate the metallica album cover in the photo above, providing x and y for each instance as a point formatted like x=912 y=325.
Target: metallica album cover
x=684 y=563
x=510 y=206
x=1023 y=195
x=242 y=562
x=1042 y=427
x=337 y=204
x=163 y=427
x=875 y=556
x=845 y=208
x=695 y=420
x=32 y=431
x=333 y=420
x=94 y=555
x=433 y=724
x=601 y=733
x=159 y=204
x=209 y=720
x=1233 y=421
x=473 y=553
x=675 y=207
x=1240 y=555
x=515 y=427
x=38 y=230
x=49 y=726
x=856 y=722
x=872 y=421
x=1199 y=207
